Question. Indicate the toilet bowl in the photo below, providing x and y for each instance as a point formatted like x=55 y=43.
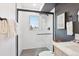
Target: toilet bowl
x=46 y=53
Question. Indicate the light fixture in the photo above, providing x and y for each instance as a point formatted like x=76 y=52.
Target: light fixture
x=34 y=5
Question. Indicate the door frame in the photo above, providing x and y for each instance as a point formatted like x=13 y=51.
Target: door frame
x=26 y=10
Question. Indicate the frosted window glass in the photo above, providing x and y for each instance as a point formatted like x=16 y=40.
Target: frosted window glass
x=34 y=22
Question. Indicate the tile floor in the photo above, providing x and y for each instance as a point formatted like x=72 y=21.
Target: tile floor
x=33 y=52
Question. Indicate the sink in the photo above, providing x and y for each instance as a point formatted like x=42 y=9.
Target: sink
x=70 y=48
x=74 y=47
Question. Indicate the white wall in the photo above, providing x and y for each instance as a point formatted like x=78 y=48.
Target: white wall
x=53 y=10
x=20 y=37
x=7 y=46
x=49 y=38
x=29 y=36
x=28 y=39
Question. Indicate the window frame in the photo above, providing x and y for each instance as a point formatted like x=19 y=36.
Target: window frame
x=38 y=22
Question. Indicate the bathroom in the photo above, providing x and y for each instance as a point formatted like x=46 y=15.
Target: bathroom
x=39 y=29
x=66 y=32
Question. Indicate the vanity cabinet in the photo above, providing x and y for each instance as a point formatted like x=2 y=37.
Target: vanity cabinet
x=58 y=52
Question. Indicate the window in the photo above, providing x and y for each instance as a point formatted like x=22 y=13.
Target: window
x=34 y=22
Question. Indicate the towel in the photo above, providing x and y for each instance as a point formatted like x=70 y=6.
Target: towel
x=7 y=28
x=77 y=36
x=3 y=28
x=69 y=28
x=12 y=28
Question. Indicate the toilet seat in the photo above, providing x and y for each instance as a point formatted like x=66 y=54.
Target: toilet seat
x=46 y=53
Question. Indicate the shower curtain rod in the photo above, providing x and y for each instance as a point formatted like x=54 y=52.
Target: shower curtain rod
x=35 y=11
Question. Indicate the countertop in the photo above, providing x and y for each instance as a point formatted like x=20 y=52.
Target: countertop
x=70 y=48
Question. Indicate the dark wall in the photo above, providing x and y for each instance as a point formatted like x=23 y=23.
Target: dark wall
x=71 y=10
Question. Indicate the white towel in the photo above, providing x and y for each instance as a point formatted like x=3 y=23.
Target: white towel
x=3 y=28
x=7 y=28
x=77 y=37
x=4 y=25
x=12 y=28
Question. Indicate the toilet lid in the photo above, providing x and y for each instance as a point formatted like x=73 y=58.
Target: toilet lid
x=46 y=53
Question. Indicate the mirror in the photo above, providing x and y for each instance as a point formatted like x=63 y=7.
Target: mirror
x=61 y=21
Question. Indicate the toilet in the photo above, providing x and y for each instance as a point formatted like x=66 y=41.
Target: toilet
x=46 y=53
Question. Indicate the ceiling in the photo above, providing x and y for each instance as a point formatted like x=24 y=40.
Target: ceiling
x=31 y=6
x=37 y=6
